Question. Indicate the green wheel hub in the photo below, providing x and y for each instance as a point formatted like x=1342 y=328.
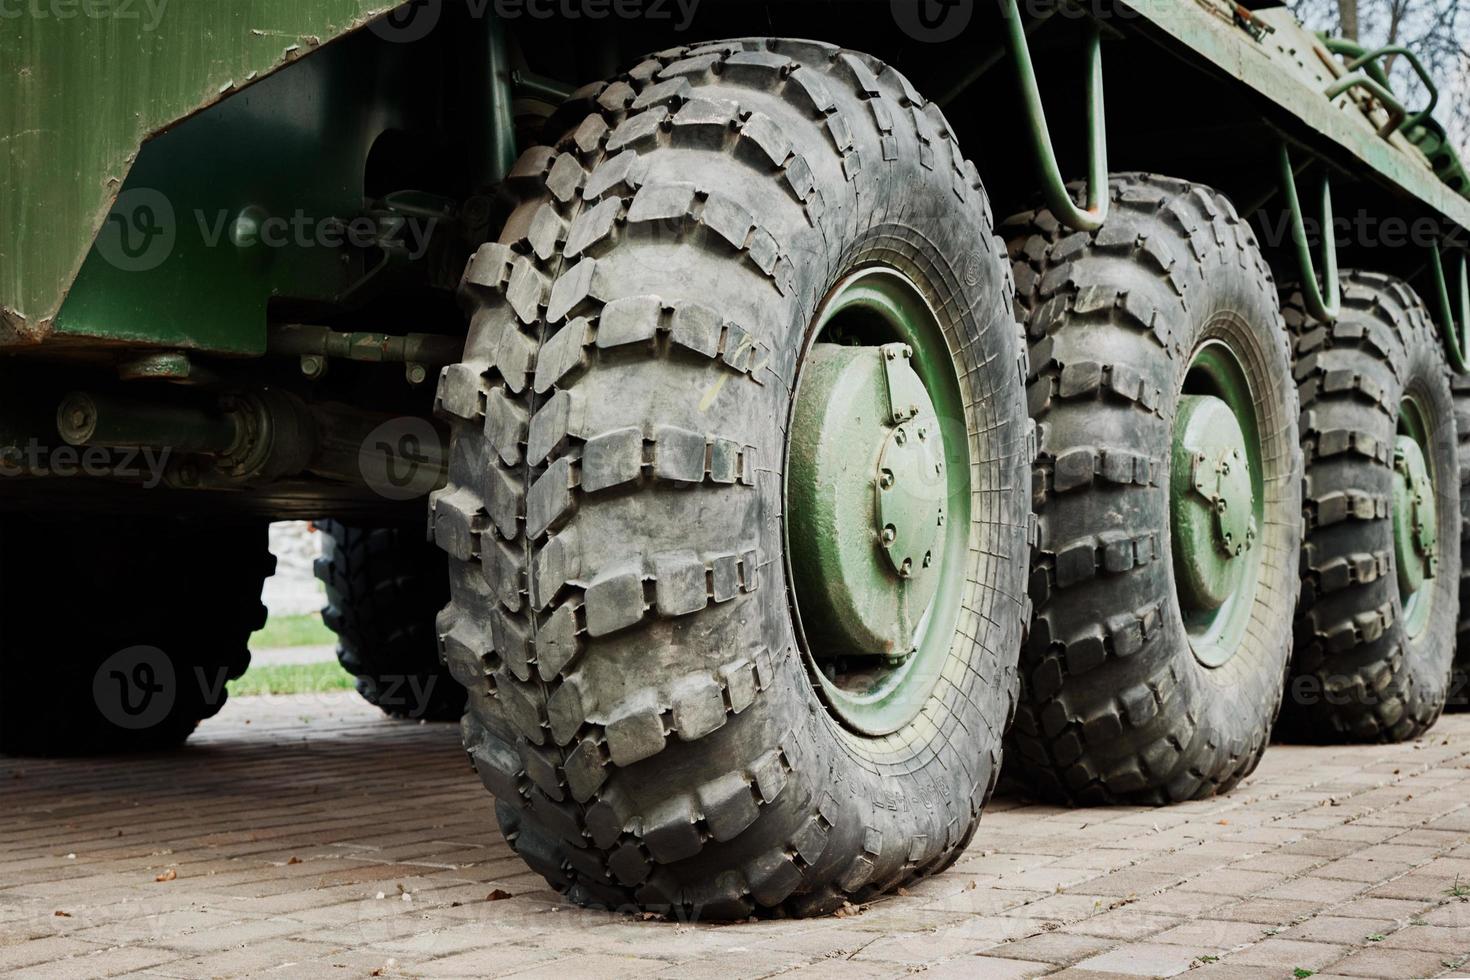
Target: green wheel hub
x=1215 y=504
x=1415 y=518
x=1211 y=505
x=877 y=501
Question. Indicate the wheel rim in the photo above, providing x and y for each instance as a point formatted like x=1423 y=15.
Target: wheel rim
x=1415 y=518
x=877 y=501
x=1216 y=503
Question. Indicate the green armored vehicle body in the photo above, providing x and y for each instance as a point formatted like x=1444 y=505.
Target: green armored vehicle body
x=734 y=405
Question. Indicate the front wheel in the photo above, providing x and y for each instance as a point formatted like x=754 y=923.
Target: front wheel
x=736 y=510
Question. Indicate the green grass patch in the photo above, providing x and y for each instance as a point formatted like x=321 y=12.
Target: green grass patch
x=306 y=630
x=293 y=679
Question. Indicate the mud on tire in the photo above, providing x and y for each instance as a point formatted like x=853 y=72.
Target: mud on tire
x=1360 y=670
x=385 y=587
x=1114 y=704
x=638 y=702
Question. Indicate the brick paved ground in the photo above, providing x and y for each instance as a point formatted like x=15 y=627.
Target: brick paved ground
x=309 y=837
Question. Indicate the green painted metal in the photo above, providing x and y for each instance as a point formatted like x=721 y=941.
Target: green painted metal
x=1422 y=130
x=1367 y=61
x=878 y=444
x=1454 y=318
x=234 y=206
x=87 y=84
x=1053 y=186
x=1415 y=520
x=1210 y=503
x=858 y=480
x=1269 y=71
x=262 y=196
x=1323 y=302
x=1216 y=503
x=912 y=491
x=1397 y=114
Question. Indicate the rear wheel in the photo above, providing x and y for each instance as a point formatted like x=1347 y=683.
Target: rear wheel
x=385 y=587
x=1167 y=491
x=736 y=510
x=1381 y=564
x=1459 y=693
x=119 y=634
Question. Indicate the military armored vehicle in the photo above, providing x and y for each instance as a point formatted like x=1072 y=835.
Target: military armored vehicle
x=763 y=413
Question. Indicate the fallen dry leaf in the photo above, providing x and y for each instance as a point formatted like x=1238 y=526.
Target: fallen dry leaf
x=497 y=894
x=168 y=875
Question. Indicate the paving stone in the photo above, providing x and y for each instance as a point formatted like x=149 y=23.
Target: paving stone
x=1125 y=923
x=41 y=951
x=1380 y=961
x=1234 y=882
x=1288 y=953
x=989 y=967
x=1143 y=960
x=1268 y=911
x=1308 y=889
x=1453 y=914
x=282 y=838
x=1347 y=930
x=1058 y=947
x=1438 y=939
x=1212 y=935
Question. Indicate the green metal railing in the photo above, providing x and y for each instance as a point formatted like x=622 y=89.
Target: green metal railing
x=1323 y=302
x=1053 y=187
x=1364 y=70
x=1397 y=114
x=1453 y=325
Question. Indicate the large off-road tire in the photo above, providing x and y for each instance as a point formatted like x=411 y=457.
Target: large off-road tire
x=119 y=634
x=1459 y=693
x=639 y=701
x=385 y=588
x=1119 y=700
x=1372 y=664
